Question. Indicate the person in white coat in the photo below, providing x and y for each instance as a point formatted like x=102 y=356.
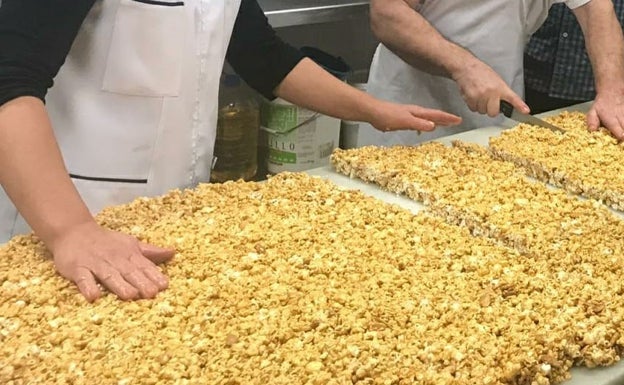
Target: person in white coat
x=466 y=56
x=133 y=113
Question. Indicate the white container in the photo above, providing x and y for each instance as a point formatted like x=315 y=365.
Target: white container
x=298 y=139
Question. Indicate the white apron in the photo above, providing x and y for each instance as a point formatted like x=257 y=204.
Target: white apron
x=495 y=31
x=134 y=108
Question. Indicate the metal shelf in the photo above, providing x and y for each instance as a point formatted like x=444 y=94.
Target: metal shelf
x=286 y=13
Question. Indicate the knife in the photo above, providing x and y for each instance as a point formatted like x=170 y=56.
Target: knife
x=507 y=109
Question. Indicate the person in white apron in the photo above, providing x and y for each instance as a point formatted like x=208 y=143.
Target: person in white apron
x=133 y=112
x=465 y=56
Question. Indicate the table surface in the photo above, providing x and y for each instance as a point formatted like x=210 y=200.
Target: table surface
x=613 y=375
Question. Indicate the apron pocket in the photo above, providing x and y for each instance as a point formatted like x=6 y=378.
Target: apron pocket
x=146 y=49
x=99 y=194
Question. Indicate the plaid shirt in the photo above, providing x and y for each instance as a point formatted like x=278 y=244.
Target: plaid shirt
x=555 y=58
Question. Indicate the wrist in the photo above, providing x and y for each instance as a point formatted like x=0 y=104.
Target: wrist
x=460 y=63
x=370 y=109
x=55 y=233
x=610 y=90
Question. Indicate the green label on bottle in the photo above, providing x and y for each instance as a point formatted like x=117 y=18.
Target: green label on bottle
x=278 y=156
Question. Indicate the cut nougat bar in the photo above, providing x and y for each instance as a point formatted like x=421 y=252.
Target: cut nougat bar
x=586 y=163
x=493 y=198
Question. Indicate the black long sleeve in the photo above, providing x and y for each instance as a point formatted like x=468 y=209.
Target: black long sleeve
x=256 y=53
x=35 y=37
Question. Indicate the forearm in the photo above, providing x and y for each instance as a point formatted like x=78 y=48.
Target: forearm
x=604 y=43
x=406 y=33
x=32 y=171
x=309 y=86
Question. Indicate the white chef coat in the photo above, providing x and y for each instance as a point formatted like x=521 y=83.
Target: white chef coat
x=134 y=108
x=495 y=31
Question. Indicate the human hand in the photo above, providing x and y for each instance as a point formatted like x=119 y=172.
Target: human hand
x=89 y=253
x=393 y=117
x=608 y=110
x=482 y=89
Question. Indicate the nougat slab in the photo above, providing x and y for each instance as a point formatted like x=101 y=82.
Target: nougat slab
x=296 y=281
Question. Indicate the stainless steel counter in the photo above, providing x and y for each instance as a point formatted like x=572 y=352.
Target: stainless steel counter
x=285 y=13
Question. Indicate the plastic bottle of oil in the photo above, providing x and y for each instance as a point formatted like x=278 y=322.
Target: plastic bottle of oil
x=237 y=132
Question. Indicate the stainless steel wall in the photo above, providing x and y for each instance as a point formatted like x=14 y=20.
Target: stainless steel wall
x=350 y=39
x=339 y=27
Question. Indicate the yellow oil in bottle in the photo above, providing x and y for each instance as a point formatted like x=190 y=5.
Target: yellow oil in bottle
x=236 y=144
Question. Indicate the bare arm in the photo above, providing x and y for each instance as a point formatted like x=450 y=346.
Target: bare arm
x=32 y=170
x=34 y=39
x=605 y=45
x=406 y=33
x=33 y=174
x=310 y=86
x=275 y=68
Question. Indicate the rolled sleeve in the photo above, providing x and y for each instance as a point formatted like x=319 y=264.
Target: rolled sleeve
x=35 y=37
x=575 y=3
x=256 y=53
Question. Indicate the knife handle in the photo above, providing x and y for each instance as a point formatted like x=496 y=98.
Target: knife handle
x=506 y=108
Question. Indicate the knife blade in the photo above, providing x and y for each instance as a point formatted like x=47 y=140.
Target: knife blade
x=507 y=109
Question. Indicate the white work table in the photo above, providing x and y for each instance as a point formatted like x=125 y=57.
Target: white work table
x=613 y=375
